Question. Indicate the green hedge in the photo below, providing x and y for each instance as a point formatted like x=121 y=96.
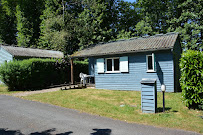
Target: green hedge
x=191 y=80
x=33 y=74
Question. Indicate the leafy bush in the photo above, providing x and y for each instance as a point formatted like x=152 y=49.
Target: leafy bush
x=191 y=80
x=33 y=74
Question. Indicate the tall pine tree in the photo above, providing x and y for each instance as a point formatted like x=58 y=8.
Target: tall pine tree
x=7 y=22
x=28 y=21
x=97 y=22
x=59 y=23
x=190 y=24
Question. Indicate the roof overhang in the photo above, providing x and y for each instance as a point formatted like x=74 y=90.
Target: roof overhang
x=120 y=53
x=135 y=45
x=32 y=52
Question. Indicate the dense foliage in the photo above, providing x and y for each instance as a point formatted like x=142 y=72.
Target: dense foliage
x=7 y=25
x=69 y=25
x=192 y=78
x=32 y=74
x=28 y=21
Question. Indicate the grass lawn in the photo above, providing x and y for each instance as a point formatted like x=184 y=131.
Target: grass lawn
x=4 y=90
x=107 y=103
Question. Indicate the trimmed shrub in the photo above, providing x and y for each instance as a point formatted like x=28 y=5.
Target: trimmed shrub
x=33 y=74
x=191 y=80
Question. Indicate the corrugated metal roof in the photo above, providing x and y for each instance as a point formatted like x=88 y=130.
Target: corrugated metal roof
x=156 y=42
x=30 y=52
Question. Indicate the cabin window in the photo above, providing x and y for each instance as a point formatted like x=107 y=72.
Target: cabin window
x=109 y=64
x=150 y=63
x=116 y=64
x=112 y=65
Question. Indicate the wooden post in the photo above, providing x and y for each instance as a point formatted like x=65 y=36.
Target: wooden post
x=71 y=65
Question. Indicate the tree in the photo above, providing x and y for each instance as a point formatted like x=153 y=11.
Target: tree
x=90 y=22
x=20 y=21
x=97 y=22
x=51 y=22
x=124 y=35
x=128 y=16
x=7 y=22
x=68 y=25
x=54 y=35
x=143 y=28
x=190 y=24
x=58 y=27
x=28 y=21
x=156 y=12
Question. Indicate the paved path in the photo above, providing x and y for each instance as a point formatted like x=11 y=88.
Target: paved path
x=23 y=117
x=26 y=93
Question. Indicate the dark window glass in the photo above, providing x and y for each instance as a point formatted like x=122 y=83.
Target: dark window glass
x=150 y=65
x=116 y=64
x=109 y=64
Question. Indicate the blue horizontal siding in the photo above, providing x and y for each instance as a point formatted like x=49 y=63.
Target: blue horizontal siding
x=5 y=56
x=138 y=71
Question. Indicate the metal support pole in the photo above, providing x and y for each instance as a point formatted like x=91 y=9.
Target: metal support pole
x=72 y=77
x=163 y=102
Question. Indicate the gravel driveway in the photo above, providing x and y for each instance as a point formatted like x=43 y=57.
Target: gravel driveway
x=26 y=93
x=23 y=117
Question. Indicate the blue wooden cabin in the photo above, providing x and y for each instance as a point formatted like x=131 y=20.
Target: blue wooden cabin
x=122 y=64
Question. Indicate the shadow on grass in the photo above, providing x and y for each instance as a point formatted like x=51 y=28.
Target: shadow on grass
x=4 y=131
x=160 y=109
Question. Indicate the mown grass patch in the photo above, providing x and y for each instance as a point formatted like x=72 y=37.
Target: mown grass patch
x=126 y=106
x=4 y=90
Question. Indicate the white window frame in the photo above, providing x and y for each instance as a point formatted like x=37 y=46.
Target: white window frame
x=112 y=65
x=153 y=62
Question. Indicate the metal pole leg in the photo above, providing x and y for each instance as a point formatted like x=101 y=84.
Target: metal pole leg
x=163 y=102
